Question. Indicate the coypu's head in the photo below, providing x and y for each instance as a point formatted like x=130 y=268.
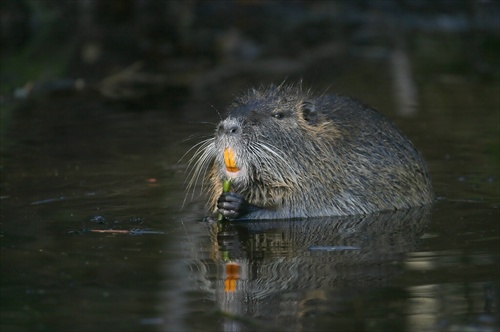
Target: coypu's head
x=257 y=144
x=258 y=130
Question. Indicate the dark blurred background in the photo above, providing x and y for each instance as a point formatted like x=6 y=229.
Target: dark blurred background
x=149 y=51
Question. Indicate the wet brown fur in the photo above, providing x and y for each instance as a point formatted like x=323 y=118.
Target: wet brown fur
x=343 y=158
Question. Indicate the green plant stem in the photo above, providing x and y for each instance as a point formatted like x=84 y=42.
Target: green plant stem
x=226 y=186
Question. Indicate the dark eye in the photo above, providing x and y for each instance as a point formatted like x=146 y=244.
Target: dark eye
x=278 y=115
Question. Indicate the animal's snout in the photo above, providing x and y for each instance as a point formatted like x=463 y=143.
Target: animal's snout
x=229 y=127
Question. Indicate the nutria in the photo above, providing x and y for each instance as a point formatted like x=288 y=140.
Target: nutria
x=290 y=154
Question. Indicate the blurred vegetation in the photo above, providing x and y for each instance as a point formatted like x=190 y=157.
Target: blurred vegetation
x=48 y=44
x=35 y=46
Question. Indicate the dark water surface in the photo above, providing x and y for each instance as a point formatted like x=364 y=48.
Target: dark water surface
x=75 y=166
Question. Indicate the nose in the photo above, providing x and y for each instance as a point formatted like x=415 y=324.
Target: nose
x=229 y=127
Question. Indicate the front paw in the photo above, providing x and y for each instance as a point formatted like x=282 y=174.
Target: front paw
x=231 y=205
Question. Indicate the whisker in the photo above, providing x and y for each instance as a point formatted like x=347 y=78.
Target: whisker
x=203 y=123
x=199 y=159
x=216 y=110
x=196 y=136
x=199 y=164
x=272 y=149
x=209 y=123
x=198 y=145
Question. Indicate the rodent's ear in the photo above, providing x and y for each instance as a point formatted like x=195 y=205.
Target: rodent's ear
x=309 y=112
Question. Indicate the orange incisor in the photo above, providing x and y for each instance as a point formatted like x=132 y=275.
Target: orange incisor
x=230 y=160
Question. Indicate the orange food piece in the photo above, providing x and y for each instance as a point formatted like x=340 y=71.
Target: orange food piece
x=230 y=160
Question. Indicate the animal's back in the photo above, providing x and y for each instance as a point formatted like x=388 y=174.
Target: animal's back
x=379 y=167
x=297 y=155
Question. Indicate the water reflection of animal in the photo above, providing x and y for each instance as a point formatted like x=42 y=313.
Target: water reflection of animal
x=273 y=270
x=291 y=154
